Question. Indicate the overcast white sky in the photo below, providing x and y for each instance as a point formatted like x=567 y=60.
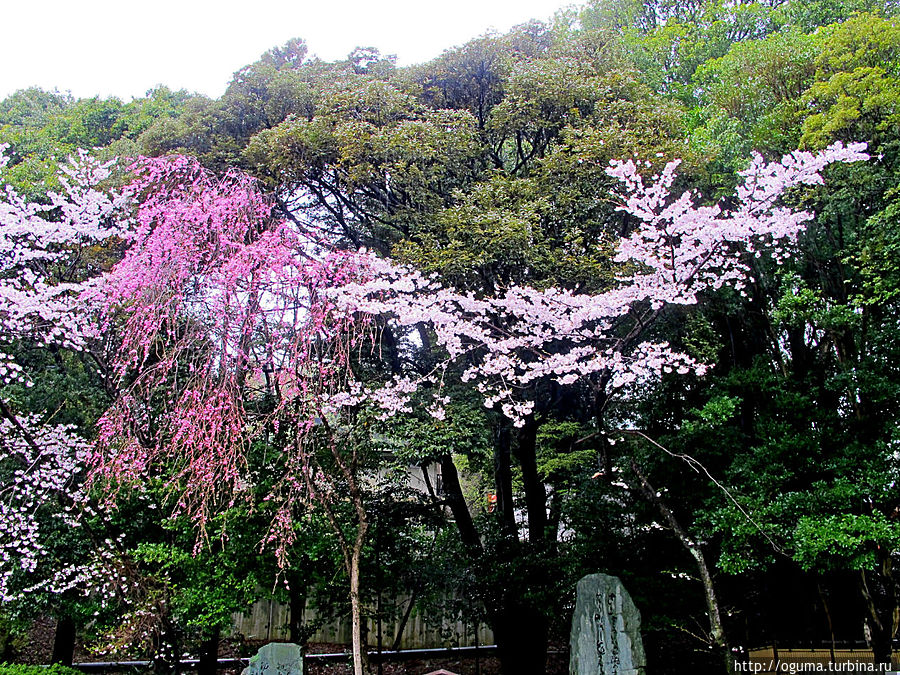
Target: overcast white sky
x=125 y=47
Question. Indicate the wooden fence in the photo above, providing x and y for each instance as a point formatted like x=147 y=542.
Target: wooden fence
x=767 y=660
x=268 y=620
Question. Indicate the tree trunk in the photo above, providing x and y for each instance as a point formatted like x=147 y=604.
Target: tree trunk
x=881 y=612
x=827 y=619
x=297 y=600
x=457 y=503
x=359 y=656
x=503 y=478
x=351 y=550
x=880 y=642
x=520 y=624
x=168 y=650
x=716 y=629
x=209 y=654
x=535 y=493
x=520 y=628
x=64 y=642
x=521 y=634
x=398 y=637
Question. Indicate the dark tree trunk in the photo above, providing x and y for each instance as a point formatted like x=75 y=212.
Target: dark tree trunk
x=827 y=619
x=503 y=478
x=457 y=503
x=535 y=494
x=881 y=645
x=297 y=601
x=520 y=624
x=168 y=651
x=882 y=613
x=521 y=634
x=209 y=655
x=398 y=637
x=520 y=627
x=64 y=642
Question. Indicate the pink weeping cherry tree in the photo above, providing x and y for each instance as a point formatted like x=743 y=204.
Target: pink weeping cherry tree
x=220 y=303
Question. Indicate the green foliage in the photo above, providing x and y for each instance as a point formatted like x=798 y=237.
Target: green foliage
x=843 y=541
x=800 y=305
x=714 y=413
x=31 y=107
x=878 y=259
x=862 y=103
x=43 y=129
x=421 y=439
x=751 y=95
x=636 y=14
x=470 y=78
x=811 y=14
x=486 y=166
x=490 y=238
x=54 y=669
x=206 y=584
x=563 y=457
x=387 y=159
x=283 y=83
x=13 y=637
x=861 y=41
x=140 y=114
x=669 y=54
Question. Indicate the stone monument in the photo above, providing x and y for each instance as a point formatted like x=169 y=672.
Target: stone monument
x=276 y=658
x=606 y=630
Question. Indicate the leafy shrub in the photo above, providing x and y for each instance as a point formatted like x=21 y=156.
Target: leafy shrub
x=18 y=669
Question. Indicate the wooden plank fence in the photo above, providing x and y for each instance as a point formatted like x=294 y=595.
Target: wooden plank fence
x=764 y=660
x=268 y=620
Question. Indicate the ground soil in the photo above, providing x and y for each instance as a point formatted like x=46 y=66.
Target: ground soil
x=38 y=647
x=557 y=664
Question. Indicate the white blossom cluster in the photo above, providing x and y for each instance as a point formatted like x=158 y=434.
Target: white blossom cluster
x=523 y=335
x=40 y=248
x=42 y=283
x=42 y=466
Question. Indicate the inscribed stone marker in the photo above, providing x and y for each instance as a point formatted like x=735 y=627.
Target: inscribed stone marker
x=276 y=658
x=606 y=630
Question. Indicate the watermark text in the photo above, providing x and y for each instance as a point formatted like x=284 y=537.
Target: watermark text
x=778 y=666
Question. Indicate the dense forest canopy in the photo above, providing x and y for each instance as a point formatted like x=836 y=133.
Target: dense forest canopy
x=744 y=486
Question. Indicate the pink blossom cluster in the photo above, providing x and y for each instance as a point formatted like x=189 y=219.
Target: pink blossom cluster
x=218 y=304
x=222 y=305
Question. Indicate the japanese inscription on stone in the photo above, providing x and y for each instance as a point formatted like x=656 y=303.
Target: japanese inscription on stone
x=606 y=638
